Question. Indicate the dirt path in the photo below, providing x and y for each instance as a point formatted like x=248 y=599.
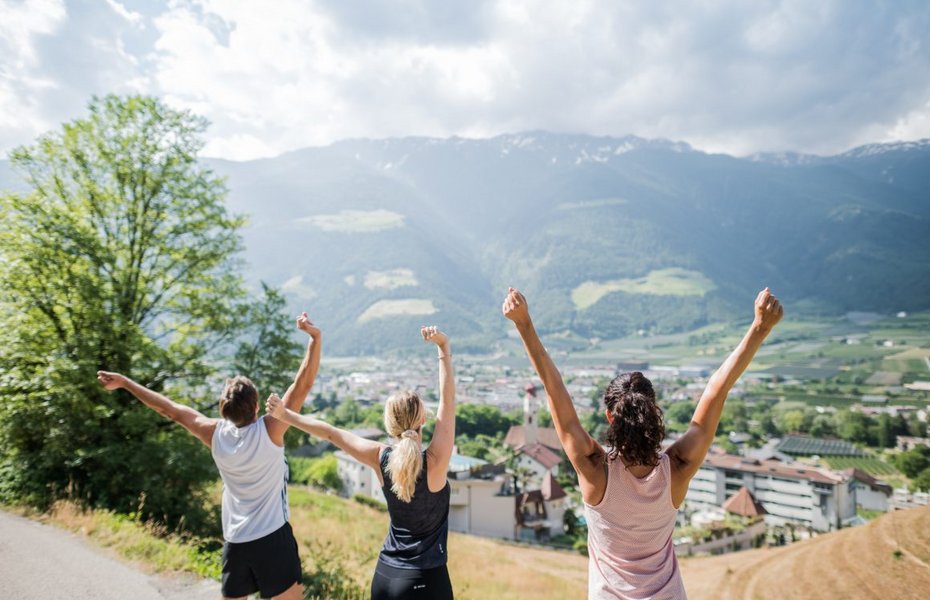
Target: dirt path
x=40 y=561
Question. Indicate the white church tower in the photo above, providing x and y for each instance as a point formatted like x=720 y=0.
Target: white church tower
x=529 y=415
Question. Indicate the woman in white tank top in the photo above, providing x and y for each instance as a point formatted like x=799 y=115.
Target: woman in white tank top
x=259 y=553
x=632 y=490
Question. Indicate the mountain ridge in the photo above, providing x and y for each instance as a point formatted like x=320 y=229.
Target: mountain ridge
x=607 y=235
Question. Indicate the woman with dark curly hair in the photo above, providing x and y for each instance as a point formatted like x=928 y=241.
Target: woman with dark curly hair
x=632 y=490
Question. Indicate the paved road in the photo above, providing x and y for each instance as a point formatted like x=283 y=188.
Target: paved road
x=39 y=561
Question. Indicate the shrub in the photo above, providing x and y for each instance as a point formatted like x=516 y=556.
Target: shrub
x=319 y=472
x=369 y=501
x=581 y=545
x=329 y=578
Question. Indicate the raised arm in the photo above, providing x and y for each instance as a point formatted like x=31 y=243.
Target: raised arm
x=199 y=425
x=585 y=454
x=296 y=394
x=689 y=451
x=364 y=451
x=440 y=447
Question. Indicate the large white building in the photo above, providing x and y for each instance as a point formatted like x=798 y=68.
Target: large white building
x=479 y=504
x=820 y=499
x=476 y=506
x=357 y=478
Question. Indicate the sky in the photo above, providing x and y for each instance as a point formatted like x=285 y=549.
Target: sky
x=723 y=75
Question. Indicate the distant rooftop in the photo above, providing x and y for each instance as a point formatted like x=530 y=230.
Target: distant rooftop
x=459 y=462
x=872 y=482
x=802 y=445
x=743 y=503
x=773 y=468
x=541 y=454
x=369 y=433
x=546 y=436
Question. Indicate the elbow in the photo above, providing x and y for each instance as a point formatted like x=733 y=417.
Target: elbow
x=703 y=432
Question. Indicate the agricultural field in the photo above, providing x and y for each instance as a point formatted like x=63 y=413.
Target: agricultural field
x=870 y=464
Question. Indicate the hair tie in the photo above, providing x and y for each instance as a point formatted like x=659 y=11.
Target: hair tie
x=409 y=434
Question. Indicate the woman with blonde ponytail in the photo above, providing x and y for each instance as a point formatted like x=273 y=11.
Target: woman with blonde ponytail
x=412 y=563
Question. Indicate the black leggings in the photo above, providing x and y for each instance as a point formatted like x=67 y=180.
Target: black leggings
x=390 y=583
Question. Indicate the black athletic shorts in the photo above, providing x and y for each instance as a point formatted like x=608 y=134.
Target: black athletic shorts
x=269 y=565
x=391 y=583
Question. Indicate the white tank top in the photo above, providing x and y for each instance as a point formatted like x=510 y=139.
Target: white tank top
x=254 y=473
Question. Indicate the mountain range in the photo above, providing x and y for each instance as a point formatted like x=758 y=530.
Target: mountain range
x=607 y=236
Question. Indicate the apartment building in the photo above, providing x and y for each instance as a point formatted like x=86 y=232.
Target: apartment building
x=820 y=499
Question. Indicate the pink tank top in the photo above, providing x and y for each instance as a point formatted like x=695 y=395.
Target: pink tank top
x=630 y=537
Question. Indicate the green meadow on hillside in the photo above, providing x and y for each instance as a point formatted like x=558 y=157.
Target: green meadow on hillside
x=662 y=282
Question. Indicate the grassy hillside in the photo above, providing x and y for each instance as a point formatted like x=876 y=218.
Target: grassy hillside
x=479 y=568
x=853 y=563
x=849 y=564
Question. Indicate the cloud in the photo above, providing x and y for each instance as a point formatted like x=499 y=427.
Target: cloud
x=21 y=83
x=55 y=55
x=725 y=76
x=130 y=15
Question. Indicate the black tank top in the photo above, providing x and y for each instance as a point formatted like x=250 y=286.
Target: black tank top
x=419 y=528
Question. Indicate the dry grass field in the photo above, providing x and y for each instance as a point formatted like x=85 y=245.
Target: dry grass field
x=480 y=568
x=850 y=564
x=857 y=563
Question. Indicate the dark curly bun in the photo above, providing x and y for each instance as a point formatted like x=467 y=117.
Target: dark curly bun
x=638 y=426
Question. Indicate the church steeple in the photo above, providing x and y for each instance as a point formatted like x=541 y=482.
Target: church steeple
x=529 y=414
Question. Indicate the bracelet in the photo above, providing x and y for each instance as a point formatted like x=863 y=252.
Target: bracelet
x=442 y=356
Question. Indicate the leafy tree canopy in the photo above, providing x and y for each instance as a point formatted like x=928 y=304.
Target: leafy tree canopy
x=122 y=257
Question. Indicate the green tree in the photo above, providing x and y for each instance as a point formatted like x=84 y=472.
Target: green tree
x=267 y=354
x=822 y=426
x=767 y=424
x=883 y=431
x=916 y=427
x=348 y=413
x=855 y=426
x=481 y=446
x=120 y=256
x=914 y=461
x=791 y=421
x=543 y=418
x=735 y=417
x=322 y=472
x=724 y=442
x=922 y=481
x=678 y=415
x=473 y=419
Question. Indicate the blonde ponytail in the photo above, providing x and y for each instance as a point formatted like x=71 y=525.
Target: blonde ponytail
x=403 y=416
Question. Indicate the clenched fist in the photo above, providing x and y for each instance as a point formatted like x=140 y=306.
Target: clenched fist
x=768 y=310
